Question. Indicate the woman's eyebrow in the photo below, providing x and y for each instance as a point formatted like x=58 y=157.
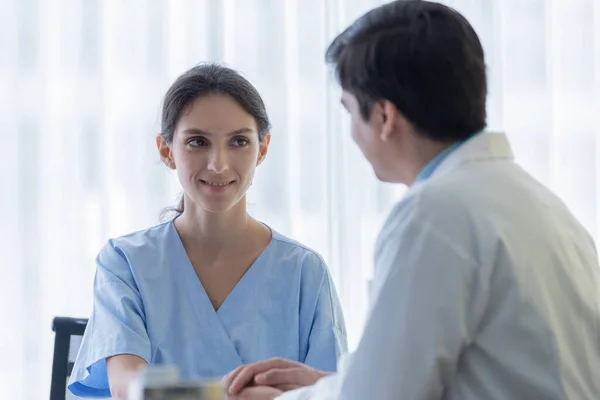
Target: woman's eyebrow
x=195 y=131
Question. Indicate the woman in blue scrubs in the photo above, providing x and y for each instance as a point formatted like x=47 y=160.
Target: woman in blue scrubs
x=213 y=288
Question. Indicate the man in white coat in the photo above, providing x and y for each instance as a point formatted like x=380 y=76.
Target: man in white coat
x=486 y=286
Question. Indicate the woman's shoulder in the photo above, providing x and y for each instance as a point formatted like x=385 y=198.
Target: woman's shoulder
x=295 y=253
x=128 y=249
x=142 y=238
x=289 y=245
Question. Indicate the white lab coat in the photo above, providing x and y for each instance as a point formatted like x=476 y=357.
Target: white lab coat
x=486 y=288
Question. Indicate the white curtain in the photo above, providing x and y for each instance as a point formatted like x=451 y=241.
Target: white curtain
x=81 y=84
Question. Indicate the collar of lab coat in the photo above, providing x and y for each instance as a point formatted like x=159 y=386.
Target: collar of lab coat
x=485 y=146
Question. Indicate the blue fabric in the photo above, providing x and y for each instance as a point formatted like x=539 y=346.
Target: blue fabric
x=149 y=302
x=433 y=164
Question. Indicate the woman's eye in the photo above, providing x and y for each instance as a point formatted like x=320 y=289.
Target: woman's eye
x=240 y=142
x=197 y=142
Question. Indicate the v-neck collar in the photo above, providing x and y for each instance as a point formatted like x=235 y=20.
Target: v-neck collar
x=208 y=319
x=196 y=285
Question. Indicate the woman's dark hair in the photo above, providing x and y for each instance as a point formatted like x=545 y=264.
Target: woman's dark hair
x=423 y=57
x=202 y=80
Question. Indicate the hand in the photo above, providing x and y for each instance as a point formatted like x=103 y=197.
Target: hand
x=276 y=372
x=121 y=370
x=256 y=393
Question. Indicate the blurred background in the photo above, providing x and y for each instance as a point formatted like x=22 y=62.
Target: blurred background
x=81 y=84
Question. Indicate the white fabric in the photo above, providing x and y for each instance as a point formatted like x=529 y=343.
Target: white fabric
x=81 y=83
x=486 y=287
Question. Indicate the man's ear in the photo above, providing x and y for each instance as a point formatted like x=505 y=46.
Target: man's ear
x=263 y=149
x=391 y=118
x=164 y=150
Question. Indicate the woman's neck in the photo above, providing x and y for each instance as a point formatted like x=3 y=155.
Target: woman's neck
x=215 y=232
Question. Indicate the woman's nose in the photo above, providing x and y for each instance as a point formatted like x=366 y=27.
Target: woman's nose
x=218 y=161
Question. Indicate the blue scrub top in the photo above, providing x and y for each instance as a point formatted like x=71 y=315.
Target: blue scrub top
x=148 y=301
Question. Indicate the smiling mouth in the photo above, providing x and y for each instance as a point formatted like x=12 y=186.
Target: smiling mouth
x=217 y=184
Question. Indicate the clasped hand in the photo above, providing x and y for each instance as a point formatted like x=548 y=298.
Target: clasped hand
x=268 y=379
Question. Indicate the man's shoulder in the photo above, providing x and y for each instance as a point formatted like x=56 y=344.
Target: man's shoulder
x=435 y=196
x=449 y=207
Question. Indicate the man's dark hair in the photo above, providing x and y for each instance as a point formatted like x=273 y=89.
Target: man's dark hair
x=423 y=57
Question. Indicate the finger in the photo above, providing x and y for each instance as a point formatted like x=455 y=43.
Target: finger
x=277 y=376
x=243 y=377
x=247 y=374
x=229 y=377
x=287 y=388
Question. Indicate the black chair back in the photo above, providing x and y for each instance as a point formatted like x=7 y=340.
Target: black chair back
x=67 y=339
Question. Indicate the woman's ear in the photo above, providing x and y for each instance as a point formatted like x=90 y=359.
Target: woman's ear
x=263 y=148
x=164 y=150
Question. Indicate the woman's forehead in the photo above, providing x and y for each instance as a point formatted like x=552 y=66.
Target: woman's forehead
x=215 y=114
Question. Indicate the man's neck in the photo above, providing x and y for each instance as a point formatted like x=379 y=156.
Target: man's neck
x=424 y=152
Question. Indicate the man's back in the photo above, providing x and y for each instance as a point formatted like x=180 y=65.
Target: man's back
x=485 y=287
x=535 y=291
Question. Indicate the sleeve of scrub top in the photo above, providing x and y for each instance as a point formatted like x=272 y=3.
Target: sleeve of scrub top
x=327 y=340
x=116 y=326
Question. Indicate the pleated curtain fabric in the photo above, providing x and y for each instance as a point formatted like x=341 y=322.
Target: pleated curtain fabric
x=81 y=84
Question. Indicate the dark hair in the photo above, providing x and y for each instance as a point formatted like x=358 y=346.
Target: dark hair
x=423 y=57
x=206 y=79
